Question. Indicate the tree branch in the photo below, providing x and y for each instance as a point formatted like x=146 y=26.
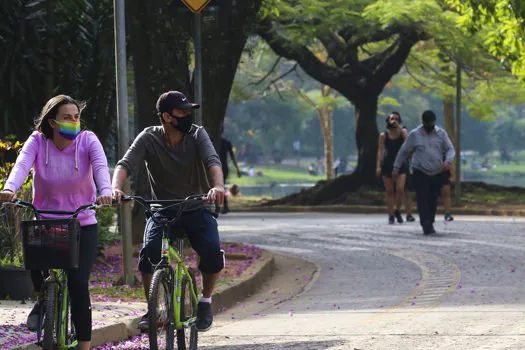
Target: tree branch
x=307 y=60
x=275 y=64
x=391 y=65
x=282 y=76
x=373 y=36
x=336 y=49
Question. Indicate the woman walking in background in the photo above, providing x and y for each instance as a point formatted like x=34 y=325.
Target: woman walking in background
x=390 y=142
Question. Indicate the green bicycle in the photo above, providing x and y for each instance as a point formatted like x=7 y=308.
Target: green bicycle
x=53 y=245
x=173 y=301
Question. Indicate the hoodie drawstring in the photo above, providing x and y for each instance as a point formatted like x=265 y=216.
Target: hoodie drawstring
x=76 y=153
x=47 y=151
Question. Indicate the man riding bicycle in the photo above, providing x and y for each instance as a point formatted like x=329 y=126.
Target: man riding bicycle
x=175 y=154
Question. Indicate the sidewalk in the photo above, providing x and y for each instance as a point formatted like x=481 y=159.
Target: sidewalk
x=114 y=321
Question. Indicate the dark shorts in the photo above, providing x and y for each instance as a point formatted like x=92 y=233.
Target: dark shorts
x=201 y=228
x=445 y=177
x=388 y=168
x=409 y=184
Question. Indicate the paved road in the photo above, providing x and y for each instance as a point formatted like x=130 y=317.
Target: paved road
x=385 y=287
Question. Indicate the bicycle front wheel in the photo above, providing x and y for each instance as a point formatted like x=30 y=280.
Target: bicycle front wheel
x=160 y=312
x=49 y=318
x=187 y=337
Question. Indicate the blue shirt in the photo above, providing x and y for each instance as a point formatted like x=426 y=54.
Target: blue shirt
x=427 y=149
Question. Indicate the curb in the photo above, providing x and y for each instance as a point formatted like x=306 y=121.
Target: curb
x=260 y=272
x=370 y=209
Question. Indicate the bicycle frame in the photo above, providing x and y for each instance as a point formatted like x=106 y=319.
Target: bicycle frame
x=60 y=278
x=181 y=271
x=168 y=252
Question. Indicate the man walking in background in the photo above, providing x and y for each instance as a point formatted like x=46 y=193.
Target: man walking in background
x=427 y=143
x=226 y=149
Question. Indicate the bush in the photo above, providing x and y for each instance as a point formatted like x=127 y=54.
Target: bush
x=105 y=235
x=10 y=217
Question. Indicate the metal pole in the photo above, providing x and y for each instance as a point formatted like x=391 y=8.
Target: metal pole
x=123 y=133
x=458 y=131
x=198 y=67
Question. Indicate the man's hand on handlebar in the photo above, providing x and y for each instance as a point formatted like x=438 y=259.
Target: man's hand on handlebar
x=216 y=194
x=118 y=194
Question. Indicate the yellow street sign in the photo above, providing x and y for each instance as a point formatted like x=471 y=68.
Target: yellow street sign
x=196 y=6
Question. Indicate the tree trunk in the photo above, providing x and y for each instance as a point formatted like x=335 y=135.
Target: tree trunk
x=223 y=42
x=158 y=66
x=325 y=118
x=366 y=139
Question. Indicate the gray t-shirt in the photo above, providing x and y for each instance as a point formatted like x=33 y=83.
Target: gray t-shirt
x=173 y=172
x=428 y=150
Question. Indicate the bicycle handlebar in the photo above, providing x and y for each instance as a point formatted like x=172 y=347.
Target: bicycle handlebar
x=22 y=204
x=167 y=204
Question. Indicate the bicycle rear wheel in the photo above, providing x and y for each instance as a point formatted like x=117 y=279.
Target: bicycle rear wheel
x=187 y=337
x=49 y=318
x=160 y=312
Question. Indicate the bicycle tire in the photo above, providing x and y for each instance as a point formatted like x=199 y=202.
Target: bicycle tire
x=161 y=287
x=187 y=338
x=70 y=335
x=49 y=318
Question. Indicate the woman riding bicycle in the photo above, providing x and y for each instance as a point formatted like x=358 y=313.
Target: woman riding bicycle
x=65 y=162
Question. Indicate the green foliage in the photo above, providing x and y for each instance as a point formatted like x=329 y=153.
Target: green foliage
x=501 y=24
x=106 y=236
x=10 y=217
x=52 y=47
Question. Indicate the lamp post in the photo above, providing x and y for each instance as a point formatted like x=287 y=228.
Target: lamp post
x=197 y=86
x=458 y=131
x=123 y=132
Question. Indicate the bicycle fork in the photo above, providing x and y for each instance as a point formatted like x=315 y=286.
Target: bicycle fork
x=181 y=271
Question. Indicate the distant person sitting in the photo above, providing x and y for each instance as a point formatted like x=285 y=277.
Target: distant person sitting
x=234 y=190
x=486 y=164
x=475 y=165
x=312 y=170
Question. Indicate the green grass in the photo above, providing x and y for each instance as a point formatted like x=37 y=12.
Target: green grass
x=484 y=198
x=271 y=174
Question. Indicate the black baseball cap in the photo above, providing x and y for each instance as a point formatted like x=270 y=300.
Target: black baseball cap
x=428 y=116
x=174 y=99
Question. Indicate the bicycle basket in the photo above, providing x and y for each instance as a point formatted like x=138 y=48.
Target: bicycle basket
x=50 y=244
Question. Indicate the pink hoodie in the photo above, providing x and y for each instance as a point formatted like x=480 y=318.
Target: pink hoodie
x=63 y=180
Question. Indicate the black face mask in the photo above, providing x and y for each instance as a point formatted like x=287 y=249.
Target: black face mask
x=182 y=124
x=390 y=126
x=429 y=128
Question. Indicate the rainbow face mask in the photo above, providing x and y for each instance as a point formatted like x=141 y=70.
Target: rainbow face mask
x=70 y=129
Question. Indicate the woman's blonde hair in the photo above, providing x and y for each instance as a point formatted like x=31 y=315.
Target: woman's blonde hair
x=50 y=110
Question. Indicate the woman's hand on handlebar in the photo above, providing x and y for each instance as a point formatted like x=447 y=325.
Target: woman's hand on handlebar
x=105 y=200
x=7 y=196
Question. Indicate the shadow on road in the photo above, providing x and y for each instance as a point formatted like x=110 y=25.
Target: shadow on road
x=302 y=345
